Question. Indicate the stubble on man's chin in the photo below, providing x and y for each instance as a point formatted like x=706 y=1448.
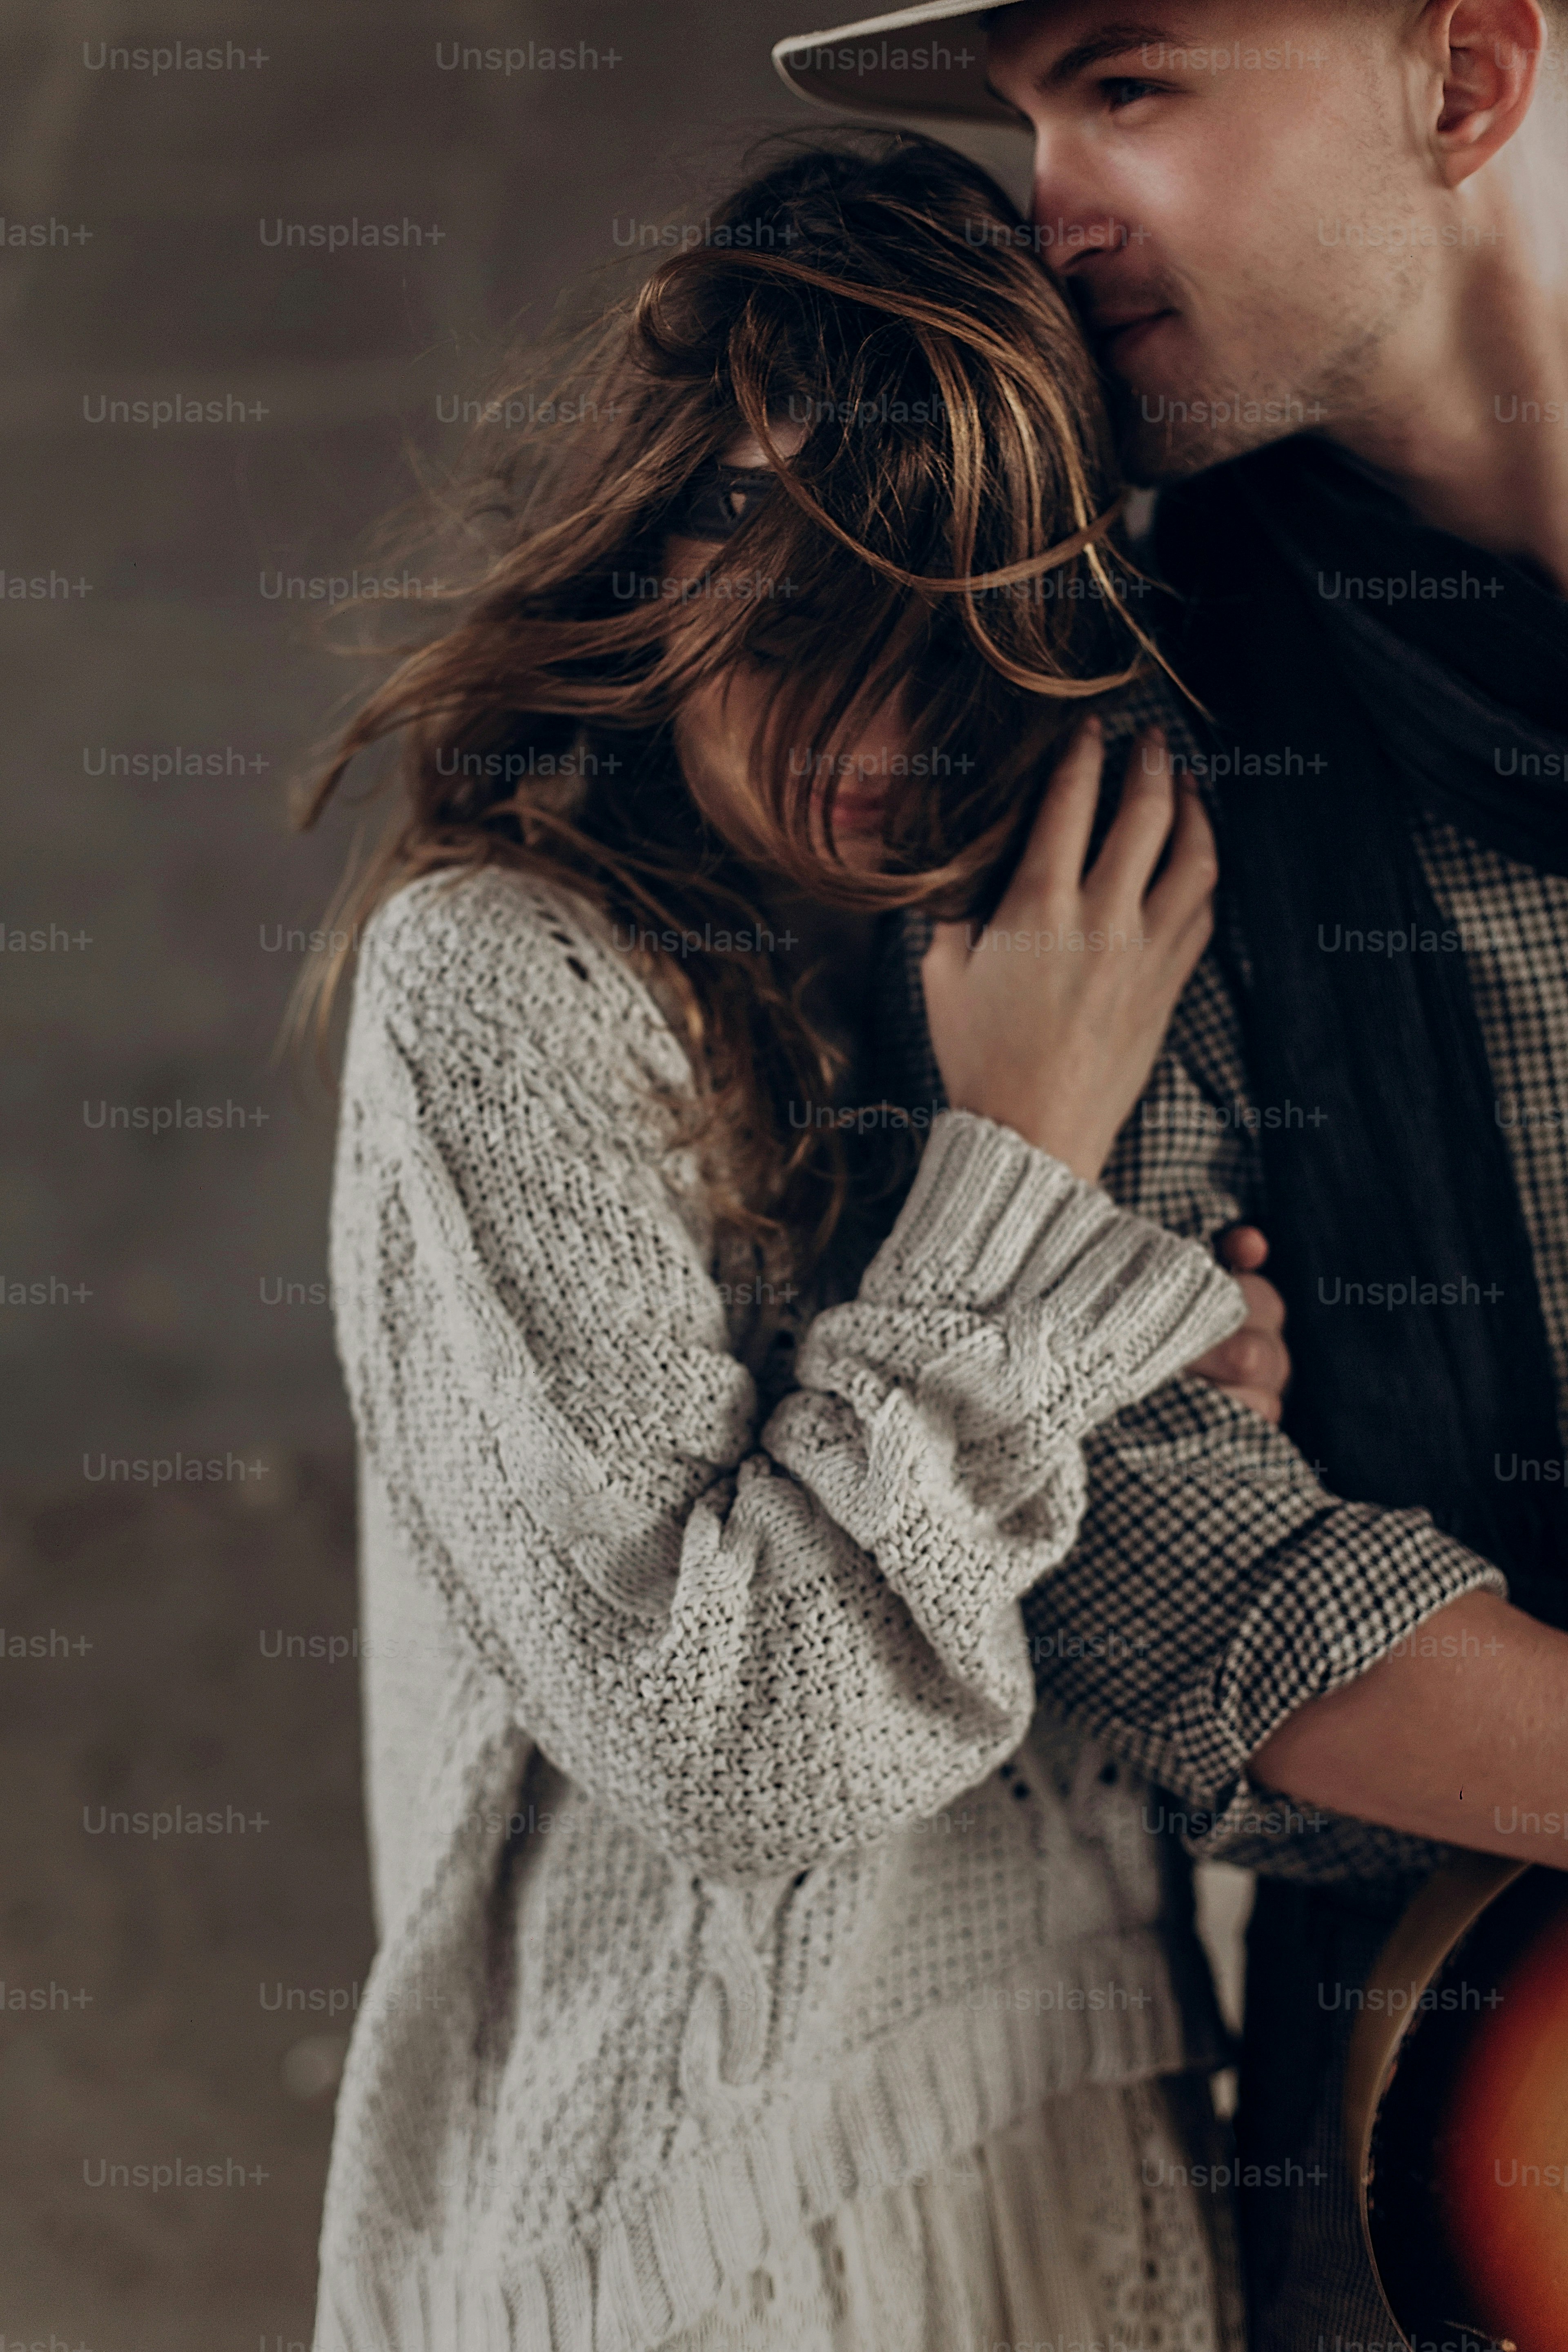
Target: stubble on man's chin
x=1153 y=450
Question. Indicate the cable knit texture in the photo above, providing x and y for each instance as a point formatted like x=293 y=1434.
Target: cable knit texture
x=708 y=1899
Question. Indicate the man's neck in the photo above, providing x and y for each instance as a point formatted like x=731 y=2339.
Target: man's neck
x=1469 y=417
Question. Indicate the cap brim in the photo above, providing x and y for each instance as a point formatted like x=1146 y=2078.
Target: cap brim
x=892 y=64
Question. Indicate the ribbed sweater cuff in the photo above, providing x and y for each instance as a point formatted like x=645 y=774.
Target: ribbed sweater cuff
x=993 y=1226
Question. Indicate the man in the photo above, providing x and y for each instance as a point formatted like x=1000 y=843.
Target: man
x=1322 y=248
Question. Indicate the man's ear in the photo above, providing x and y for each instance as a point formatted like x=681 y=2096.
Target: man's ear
x=1488 y=52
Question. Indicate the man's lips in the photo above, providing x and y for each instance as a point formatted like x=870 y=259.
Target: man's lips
x=1117 y=337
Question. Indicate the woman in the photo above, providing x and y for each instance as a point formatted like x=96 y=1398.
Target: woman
x=756 y=1970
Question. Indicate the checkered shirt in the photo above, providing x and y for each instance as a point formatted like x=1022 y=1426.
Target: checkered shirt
x=1217 y=1585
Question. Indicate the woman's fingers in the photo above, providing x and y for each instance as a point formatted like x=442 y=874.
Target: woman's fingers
x=1056 y=1039
x=1194 y=935
x=1178 y=928
x=1058 y=839
x=1142 y=828
x=1253 y=1365
x=1187 y=884
x=1245 y=1250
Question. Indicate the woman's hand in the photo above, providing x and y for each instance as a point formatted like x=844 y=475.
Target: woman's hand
x=1048 y=1019
x=1254 y=1364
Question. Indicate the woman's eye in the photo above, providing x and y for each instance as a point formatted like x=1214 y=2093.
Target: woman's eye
x=785 y=641
x=1125 y=89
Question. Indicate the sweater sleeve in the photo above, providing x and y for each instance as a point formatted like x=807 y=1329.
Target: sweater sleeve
x=760 y=1646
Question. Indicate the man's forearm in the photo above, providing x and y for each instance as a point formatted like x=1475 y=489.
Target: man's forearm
x=1460 y=1734
x=1218 y=1587
x=1216 y=1590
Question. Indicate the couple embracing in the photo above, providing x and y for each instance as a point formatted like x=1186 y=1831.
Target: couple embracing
x=831 y=1037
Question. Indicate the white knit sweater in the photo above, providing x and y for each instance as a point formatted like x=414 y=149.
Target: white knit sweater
x=770 y=1928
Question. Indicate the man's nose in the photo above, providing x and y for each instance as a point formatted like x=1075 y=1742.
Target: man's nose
x=1069 y=213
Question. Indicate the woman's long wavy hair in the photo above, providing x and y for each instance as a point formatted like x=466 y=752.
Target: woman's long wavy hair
x=944 y=529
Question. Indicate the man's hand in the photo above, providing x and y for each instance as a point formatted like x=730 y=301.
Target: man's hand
x=1253 y=1365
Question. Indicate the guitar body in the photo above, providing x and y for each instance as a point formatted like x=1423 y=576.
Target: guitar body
x=1457 y=2104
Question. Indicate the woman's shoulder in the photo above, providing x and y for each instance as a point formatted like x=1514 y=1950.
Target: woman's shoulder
x=516 y=963
x=467 y=926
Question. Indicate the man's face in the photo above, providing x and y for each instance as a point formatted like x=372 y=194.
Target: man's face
x=1233 y=195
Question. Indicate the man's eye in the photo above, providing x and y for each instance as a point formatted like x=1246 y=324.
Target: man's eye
x=1125 y=89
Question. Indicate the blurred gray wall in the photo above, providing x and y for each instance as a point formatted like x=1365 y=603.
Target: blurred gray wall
x=181 y=1997
x=164 y=892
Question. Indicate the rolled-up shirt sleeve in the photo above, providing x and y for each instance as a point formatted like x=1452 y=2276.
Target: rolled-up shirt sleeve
x=1216 y=1586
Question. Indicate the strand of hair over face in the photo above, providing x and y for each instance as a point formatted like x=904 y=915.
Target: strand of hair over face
x=935 y=329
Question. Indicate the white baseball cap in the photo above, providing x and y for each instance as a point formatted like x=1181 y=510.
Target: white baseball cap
x=874 y=67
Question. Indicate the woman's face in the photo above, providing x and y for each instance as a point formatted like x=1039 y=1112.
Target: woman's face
x=718 y=730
